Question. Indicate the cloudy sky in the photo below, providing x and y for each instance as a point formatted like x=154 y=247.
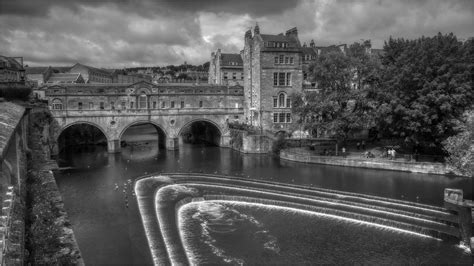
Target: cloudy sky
x=160 y=32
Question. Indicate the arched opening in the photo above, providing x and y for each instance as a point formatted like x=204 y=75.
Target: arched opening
x=82 y=145
x=201 y=132
x=142 y=140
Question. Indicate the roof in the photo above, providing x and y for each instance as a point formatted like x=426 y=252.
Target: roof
x=276 y=38
x=63 y=77
x=10 y=63
x=10 y=116
x=35 y=70
x=229 y=59
x=103 y=71
x=308 y=50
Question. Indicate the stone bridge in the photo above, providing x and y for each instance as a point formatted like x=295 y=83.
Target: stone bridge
x=171 y=108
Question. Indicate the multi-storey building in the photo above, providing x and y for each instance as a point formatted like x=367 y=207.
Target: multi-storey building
x=272 y=73
x=11 y=69
x=92 y=74
x=226 y=69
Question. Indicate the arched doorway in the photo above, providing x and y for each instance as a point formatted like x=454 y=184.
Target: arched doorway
x=201 y=132
x=142 y=140
x=87 y=142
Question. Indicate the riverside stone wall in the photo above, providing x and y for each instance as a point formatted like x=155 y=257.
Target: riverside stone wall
x=300 y=155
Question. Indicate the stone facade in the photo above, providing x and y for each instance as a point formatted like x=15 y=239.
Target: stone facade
x=272 y=73
x=11 y=69
x=91 y=74
x=225 y=69
x=170 y=107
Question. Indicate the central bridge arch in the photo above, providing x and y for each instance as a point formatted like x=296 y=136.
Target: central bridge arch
x=160 y=130
x=201 y=130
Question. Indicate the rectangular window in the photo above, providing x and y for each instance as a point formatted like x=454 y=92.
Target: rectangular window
x=112 y=105
x=275 y=102
x=287 y=60
x=234 y=75
x=291 y=60
x=288 y=79
x=102 y=106
x=282 y=58
x=305 y=75
x=288 y=102
x=163 y=105
x=154 y=105
x=91 y=105
x=131 y=105
x=282 y=117
x=276 y=59
x=288 y=118
x=172 y=104
x=79 y=105
x=200 y=103
x=182 y=104
x=281 y=79
x=275 y=117
x=123 y=106
x=275 y=79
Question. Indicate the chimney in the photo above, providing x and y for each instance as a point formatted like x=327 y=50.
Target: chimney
x=248 y=34
x=256 y=30
x=311 y=44
x=293 y=32
x=304 y=45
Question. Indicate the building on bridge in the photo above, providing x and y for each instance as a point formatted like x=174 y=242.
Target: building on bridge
x=226 y=69
x=171 y=108
x=11 y=69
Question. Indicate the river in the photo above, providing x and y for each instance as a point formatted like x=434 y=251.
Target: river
x=98 y=196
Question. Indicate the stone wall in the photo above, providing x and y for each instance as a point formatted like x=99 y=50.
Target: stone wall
x=299 y=155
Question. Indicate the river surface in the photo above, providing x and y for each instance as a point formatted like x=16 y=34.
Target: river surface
x=98 y=196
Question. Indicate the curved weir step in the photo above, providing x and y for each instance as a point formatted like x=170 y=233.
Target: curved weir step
x=160 y=196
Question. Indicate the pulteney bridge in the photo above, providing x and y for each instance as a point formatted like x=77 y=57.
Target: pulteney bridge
x=171 y=108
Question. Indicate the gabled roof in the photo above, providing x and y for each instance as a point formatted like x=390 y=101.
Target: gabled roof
x=63 y=78
x=10 y=63
x=276 y=38
x=103 y=71
x=36 y=70
x=231 y=60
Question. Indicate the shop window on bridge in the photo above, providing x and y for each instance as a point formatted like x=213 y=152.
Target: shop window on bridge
x=172 y=104
x=154 y=105
x=142 y=101
x=182 y=104
x=79 y=105
x=200 y=104
x=131 y=105
x=57 y=104
x=91 y=105
x=163 y=105
x=112 y=105
x=123 y=106
x=102 y=106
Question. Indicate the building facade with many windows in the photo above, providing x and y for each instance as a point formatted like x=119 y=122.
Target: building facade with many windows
x=272 y=73
x=226 y=69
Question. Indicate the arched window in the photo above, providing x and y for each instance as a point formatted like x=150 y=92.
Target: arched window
x=57 y=104
x=142 y=101
x=281 y=100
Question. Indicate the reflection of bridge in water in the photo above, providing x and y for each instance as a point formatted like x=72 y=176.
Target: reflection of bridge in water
x=171 y=108
x=161 y=196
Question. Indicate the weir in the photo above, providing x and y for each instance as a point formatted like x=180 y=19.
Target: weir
x=160 y=197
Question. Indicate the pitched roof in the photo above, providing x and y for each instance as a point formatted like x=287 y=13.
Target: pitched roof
x=276 y=38
x=10 y=63
x=35 y=70
x=231 y=60
x=63 y=78
x=308 y=50
x=103 y=71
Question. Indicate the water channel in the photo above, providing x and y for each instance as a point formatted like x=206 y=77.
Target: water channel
x=98 y=194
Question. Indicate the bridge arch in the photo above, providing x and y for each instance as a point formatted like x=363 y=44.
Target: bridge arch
x=63 y=129
x=163 y=135
x=201 y=129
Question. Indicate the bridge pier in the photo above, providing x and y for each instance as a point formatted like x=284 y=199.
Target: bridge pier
x=455 y=202
x=225 y=141
x=113 y=146
x=172 y=144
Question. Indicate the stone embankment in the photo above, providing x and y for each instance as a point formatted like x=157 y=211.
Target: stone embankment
x=306 y=156
x=51 y=239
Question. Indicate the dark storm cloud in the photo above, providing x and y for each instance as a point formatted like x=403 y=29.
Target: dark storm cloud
x=149 y=7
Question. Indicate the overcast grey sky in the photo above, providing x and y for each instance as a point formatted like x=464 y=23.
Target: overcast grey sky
x=147 y=32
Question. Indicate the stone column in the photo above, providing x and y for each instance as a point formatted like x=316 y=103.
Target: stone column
x=113 y=146
x=172 y=144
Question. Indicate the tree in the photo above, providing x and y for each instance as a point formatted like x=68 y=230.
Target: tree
x=427 y=86
x=343 y=103
x=460 y=147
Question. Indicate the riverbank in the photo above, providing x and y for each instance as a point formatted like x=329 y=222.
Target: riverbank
x=307 y=156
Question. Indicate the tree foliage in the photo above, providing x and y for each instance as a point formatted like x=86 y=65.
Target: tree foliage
x=427 y=86
x=460 y=147
x=343 y=103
